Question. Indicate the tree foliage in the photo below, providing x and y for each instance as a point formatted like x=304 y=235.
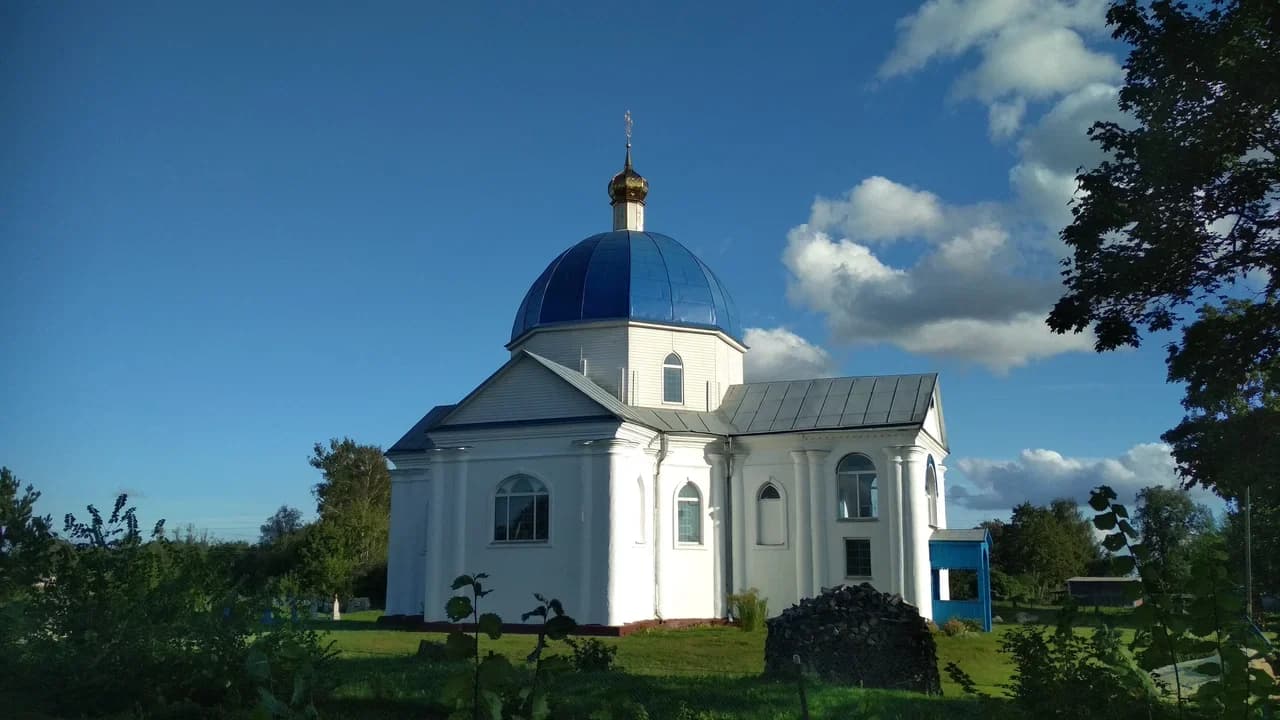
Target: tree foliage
x=1171 y=524
x=1040 y=547
x=284 y=522
x=1184 y=213
x=25 y=537
x=354 y=497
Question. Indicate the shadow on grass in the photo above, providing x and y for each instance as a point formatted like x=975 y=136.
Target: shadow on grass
x=406 y=687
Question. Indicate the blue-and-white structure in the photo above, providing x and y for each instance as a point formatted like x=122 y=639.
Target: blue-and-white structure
x=619 y=462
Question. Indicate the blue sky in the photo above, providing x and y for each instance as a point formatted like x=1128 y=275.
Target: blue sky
x=229 y=231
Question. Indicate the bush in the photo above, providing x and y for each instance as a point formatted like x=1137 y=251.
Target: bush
x=954 y=627
x=592 y=655
x=749 y=609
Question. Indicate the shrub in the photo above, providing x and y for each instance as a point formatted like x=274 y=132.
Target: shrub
x=592 y=655
x=954 y=627
x=749 y=609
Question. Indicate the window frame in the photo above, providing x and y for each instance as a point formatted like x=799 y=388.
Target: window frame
x=681 y=501
x=931 y=491
x=678 y=367
x=870 y=558
x=857 y=477
x=503 y=493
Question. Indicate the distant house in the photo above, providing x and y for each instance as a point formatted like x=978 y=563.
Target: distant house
x=1104 y=591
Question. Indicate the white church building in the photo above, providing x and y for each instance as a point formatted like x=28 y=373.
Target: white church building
x=619 y=461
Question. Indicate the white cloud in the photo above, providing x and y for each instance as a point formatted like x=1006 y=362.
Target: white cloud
x=1027 y=49
x=779 y=354
x=1004 y=118
x=968 y=296
x=880 y=209
x=1052 y=152
x=1036 y=63
x=1039 y=476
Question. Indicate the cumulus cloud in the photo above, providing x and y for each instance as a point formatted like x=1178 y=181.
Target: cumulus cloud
x=1052 y=152
x=1027 y=49
x=779 y=354
x=1039 y=476
x=964 y=297
x=880 y=209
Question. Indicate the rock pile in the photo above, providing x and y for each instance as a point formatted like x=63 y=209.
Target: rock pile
x=855 y=635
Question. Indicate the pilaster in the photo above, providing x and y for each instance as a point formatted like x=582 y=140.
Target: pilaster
x=804 y=539
x=820 y=488
x=919 y=578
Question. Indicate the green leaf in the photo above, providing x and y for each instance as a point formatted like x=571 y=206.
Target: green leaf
x=1122 y=564
x=490 y=705
x=1100 y=498
x=1114 y=542
x=538 y=707
x=495 y=671
x=1140 y=551
x=556 y=607
x=1119 y=510
x=462 y=581
x=1208 y=668
x=560 y=626
x=536 y=612
x=458 y=607
x=459 y=646
x=1128 y=530
x=1104 y=521
x=491 y=624
x=481 y=576
x=257 y=665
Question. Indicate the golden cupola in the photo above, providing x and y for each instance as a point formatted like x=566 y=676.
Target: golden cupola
x=628 y=186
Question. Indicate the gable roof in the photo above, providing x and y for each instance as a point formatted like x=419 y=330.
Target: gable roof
x=748 y=409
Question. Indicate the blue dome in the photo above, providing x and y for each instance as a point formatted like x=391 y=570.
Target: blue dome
x=628 y=275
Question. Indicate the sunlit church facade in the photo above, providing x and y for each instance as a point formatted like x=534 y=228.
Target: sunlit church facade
x=619 y=462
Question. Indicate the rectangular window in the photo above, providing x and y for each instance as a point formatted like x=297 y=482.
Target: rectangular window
x=856 y=496
x=672 y=385
x=690 y=530
x=857 y=557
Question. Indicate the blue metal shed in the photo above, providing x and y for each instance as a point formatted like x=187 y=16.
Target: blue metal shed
x=962 y=550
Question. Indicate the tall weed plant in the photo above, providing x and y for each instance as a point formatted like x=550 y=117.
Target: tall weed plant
x=749 y=609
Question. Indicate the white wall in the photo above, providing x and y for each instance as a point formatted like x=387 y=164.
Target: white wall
x=407 y=541
x=603 y=346
x=525 y=391
x=707 y=359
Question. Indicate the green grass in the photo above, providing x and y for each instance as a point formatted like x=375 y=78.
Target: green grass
x=705 y=668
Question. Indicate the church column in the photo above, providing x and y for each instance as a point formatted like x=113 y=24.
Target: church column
x=433 y=594
x=619 y=537
x=804 y=541
x=721 y=532
x=819 y=491
x=919 y=578
x=893 y=493
x=585 y=546
x=740 y=520
x=462 y=529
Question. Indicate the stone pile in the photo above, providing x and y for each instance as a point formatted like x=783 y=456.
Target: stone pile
x=855 y=635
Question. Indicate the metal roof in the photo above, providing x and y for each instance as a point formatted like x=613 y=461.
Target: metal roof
x=416 y=440
x=828 y=403
x=627 y=274
x=748 y=409
x=947 y=535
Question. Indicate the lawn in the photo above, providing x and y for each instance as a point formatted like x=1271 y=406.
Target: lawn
x=704 y=668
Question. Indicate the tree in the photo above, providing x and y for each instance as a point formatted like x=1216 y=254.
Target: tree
x=1185 y=213
x=354 y=498
x=1040 y=547
x=25 y=538
x=1170 y=524
x=1265 y=526
x=285 y=522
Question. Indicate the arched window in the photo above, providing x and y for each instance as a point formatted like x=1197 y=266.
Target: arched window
x=521 y=510
x=856 y=496
x=771 y=516
x=931 y=489
x=673 y=379
x=689 y=514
